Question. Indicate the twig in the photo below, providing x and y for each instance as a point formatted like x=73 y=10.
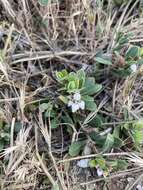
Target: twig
x=94 y=155
x=134 y=170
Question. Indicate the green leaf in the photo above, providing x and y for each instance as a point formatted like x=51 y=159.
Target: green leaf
x=81 y=77
x=56 y=187
x=140 y=61
x=63 y=99
x=135 y=131
x=88 y=98
x=118 y=164
x=103 y=61
x=45 y=106
x=50 y=114
x=54 y=123
x=93 y=163
x=122 y=39
x=137 y=136
x=98 y=139
x=138 y=125
x=98 y=162
x=17 y=127
x=1 y=145
x=62 y=75
x=67 y=119
x=72 y=86
x=118 y=142
x=90 y=88
x=44 y=2
x=76 y=147
x=141 y=51
x=108 y=143
x=89 y=103
x=81 y=74
x=97 y=121
x=118 y=2
x=133 y=52
x=5 y=136
x=101 y=162
x=121 y=72
x=72 y=76
x=122 y=164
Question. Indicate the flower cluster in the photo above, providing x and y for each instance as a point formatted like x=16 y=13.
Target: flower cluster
x=76 y=103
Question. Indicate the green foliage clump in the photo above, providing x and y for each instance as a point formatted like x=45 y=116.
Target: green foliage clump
x=76 y=89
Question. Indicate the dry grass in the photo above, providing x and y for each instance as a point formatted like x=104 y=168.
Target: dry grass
x=36 y=40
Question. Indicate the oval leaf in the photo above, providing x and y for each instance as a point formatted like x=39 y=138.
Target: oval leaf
x=103 y=61
x=76 y=147
x=44 y=2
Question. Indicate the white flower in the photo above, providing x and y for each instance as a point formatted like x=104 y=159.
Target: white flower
x=75 y=107
x=70 y=103
x=133 y=68
x=139 y=187
x=76 y=103
x=99 y=172
x=77 y=96
x=81 y=105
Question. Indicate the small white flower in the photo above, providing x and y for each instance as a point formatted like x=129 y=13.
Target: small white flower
x=70 y=103
x=139 y=187
x=75 y=107
x=76 y=103
x=99 y=172
x=77 y=96
x=81 y=105
x=133 y=68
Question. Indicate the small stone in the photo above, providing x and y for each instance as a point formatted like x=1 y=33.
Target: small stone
x=84 y=163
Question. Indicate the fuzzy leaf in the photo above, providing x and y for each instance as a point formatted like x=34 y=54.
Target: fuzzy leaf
x=72 y=76
x=45 y=106
x=137 y=136
x=73 y=86
x=54 y=123
x=138 y=125
x=44 y=2
x=91 y=106
x=103 y=61
x=90 y=88
x=89 y=103
x=63 y=99
x=56 y=187
x=81 y=77
x=62 y=75
x=17 y=127
x=76 y=147
x=121 y=72
x=133 y=52
x=122 y=164
x=1 y=145
x=108 y=143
